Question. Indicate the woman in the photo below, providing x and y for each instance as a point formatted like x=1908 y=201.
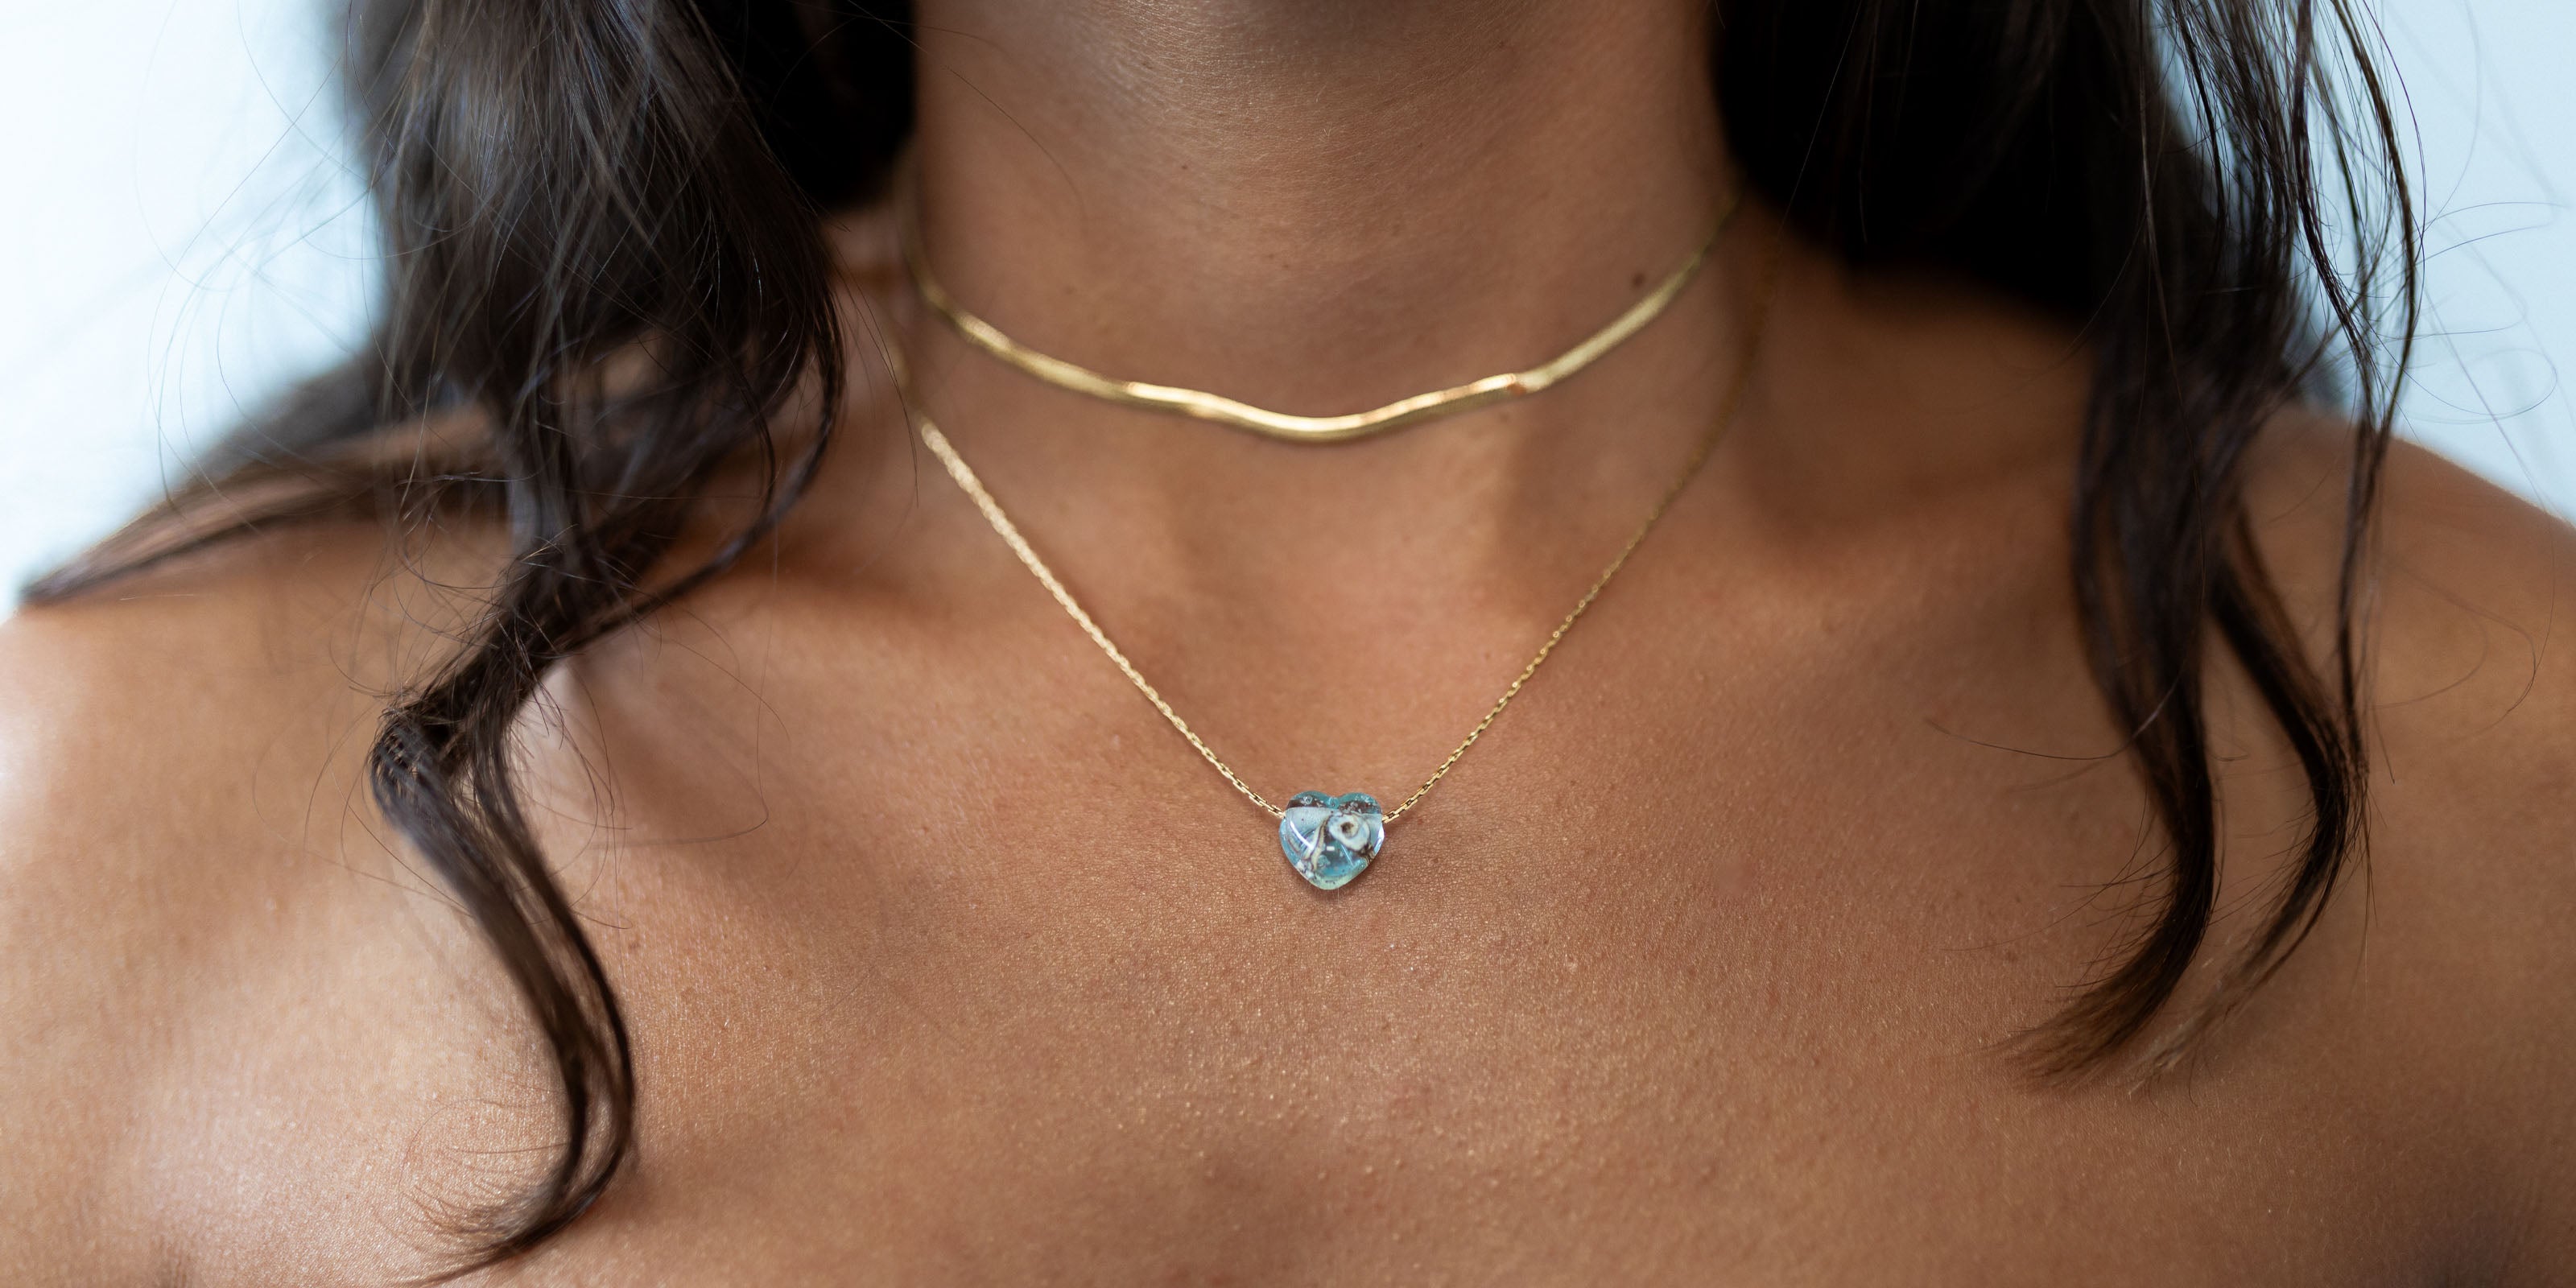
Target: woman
x=532 y=812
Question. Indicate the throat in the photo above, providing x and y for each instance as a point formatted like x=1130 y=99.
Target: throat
x=1319 y=207
x=1312 y=205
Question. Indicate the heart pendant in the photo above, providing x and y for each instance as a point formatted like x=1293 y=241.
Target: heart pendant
x=1330 y=839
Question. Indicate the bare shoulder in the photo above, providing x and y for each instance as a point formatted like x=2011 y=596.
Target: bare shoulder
x=2467 y=604
x=2472 y=622
x=181 y=816
x=2460 y=921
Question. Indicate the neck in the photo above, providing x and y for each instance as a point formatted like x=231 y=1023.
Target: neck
x=1316 y=205
x=1319 y=206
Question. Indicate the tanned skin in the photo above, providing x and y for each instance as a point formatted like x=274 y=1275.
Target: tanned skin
x=949 y=963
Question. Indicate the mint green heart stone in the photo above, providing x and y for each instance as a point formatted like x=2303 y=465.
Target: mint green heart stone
x=1330 y=839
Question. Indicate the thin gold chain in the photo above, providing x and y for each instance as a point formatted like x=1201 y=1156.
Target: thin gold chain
x=974 y=488
x=1309 y=429
x=959 y=470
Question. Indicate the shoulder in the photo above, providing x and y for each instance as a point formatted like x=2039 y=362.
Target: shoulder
x=179 y=762
x=141 y=703
x=2458 y=925
x=2466 y=602
x=2470 y=614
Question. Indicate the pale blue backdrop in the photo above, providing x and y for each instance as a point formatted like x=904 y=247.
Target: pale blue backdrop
x=180 y=235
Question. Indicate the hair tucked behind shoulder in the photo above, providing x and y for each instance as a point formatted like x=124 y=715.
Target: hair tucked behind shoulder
x=561 y=182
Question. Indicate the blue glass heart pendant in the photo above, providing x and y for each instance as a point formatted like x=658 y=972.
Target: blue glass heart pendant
x=1330 y=839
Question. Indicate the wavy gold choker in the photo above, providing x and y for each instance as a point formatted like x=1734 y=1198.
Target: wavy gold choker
x=1308 y=429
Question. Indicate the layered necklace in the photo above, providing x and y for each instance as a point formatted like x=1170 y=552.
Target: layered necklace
x=1328 y=839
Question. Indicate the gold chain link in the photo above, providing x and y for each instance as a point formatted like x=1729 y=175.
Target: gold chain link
x=974 y=488
x=1307 y=429
x=959 y=470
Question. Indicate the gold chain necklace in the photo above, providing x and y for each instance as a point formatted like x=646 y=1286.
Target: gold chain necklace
x=1329 y=839
x=1306 y=429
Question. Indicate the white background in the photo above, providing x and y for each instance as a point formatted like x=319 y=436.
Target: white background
x=179 y=235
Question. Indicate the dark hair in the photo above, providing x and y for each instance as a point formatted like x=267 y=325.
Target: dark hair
x=564 y=181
